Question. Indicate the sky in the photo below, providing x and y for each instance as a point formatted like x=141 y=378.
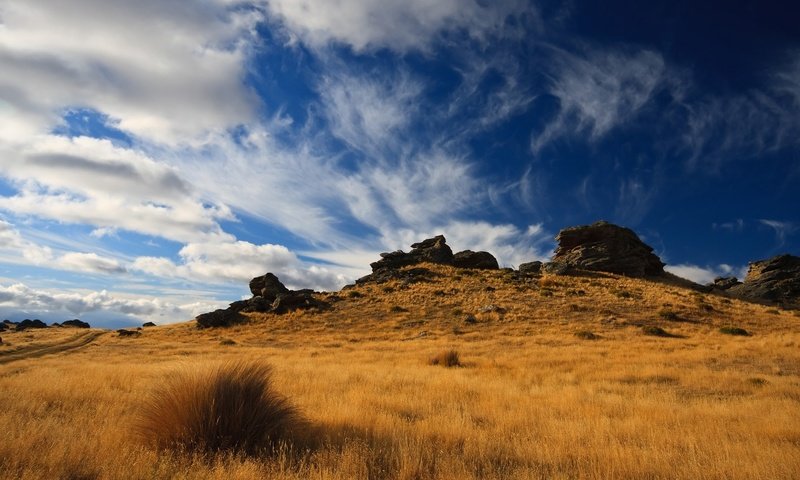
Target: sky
x=157 y=154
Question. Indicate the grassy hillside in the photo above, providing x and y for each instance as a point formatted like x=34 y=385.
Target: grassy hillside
x=535 y=396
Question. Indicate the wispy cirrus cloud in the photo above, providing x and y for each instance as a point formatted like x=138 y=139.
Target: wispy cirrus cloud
x=399 y=26
x=599 y=90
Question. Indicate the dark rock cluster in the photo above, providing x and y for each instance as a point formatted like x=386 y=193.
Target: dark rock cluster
x=75 y=323
x=431 y=250
x=26 y=324
x=269 y=296
x=776 y=279
x=604 y=247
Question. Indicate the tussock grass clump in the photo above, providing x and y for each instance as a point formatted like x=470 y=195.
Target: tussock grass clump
x=229 y=408
x=654 y=331
x=587 y=335
x=446 y=358
x=668 y=314
x=734 y=331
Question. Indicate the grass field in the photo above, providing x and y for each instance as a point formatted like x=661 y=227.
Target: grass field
x=534 y=396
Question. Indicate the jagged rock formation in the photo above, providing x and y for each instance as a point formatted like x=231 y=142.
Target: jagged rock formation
x=776 y=279
x=269 y=296
x=76 y=323
x=432 y=250
x=604 y=247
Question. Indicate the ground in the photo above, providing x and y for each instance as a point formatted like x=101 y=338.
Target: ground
x=534 y=397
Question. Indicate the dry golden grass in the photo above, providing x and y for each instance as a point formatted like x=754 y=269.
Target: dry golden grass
x=534 y=400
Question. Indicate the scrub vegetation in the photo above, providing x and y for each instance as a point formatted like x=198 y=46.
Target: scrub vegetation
x=350 y=392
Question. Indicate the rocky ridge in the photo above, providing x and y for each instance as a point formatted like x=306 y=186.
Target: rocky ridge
x=599 y=247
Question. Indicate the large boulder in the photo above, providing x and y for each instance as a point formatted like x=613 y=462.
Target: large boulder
x=76 y=324
x=531 y=268
x=776 y=279
x=267 y=286
x=470 y=259
x=220 y=318
x=604 y=247
x=26 y=324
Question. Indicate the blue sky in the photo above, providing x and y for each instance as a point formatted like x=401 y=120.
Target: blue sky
x=155 y=155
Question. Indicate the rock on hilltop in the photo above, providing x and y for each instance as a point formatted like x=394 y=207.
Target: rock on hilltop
x=604 y=247
x=775 y=279
x=431 y=250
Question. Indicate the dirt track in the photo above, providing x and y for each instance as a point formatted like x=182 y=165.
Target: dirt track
x=34 y=351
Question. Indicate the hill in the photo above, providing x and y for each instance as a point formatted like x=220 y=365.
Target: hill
x=585 y=375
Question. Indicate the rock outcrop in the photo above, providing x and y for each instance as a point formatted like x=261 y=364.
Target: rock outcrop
x=3 y=327
x=604 y=247
x=223 y=317
x=470 y=259
x=724 y=283
x=76 y=324
x=148 y=324
x=531 y=268
x=26 y=324
x=431 y=250
x=776 y=279
x=267 y=286
x=269 y=296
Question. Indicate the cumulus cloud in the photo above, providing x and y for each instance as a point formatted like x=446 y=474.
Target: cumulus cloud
x=239 y=262
x=399 y=26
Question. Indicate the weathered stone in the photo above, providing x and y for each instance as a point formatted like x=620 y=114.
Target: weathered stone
x=76 y=324
x=531 y=268
x=604 y=247
x=724 y=283
x=433 y=250
x=26 y=324
x=239 y=305
x=776 y=279
x=470 y=259
x=148 y=324
x=267 y=286
x=298 y=300
x=219 y=318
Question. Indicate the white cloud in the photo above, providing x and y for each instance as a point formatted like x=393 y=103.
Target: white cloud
x=91 y=181
x=89 y=262
x=21 y=297
x=369 y=112
x=170 y=80
x=399 y=26
x=707 y=274
x=239 y=262
x=600 y=90
x=782 y=229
